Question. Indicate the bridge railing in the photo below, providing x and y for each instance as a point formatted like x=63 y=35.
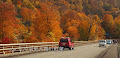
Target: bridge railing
x=32 y=47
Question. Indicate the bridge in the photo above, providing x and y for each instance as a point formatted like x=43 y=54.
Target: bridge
x=83 y=49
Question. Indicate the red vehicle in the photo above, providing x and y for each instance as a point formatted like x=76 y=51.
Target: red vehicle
x=66 y=42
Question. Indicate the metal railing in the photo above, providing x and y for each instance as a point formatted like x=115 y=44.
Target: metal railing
x=32 y=47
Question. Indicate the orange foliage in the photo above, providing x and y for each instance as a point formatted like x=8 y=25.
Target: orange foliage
x=83 y=30
x=108 y=23
x=19 y=3
x=73 y=32
x=8 y=21
x=27 y=14
x=48 y=20
x=93 y=33
x=31 y=39
x=45 y=39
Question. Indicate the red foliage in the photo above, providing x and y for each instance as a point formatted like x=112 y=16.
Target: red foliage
x=19 y=3
x=5 y=40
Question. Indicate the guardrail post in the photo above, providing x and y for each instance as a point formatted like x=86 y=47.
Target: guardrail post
x=44 y=48
x=3 y=50
x=20 y=48
x=40 y=48
x=49 y=48
x=31 y=49
x=35 y=48
x=3 y=47
x=26 y=49
x=12 y=50
x=57 y=48
x=54 y=48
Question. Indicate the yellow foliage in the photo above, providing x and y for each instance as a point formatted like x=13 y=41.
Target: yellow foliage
x=93 y=28
x=18 y=6
x=9 y=1
x=93 y=33
x=37 y=2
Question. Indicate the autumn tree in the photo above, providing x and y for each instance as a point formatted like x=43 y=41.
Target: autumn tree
x=28 y=4
x=108 y=24
x=62 y=6
x=73 y=32
x=47 y=23
x=67 y=17
x=83 y=30
x=8 y=21
x=114 y=12
x=93 y=35
x=27 y=17
x=31 y=39
x=48 y=20
x=95 y=29
x=117 y=24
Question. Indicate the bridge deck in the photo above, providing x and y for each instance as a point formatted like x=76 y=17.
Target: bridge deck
x=87 y=51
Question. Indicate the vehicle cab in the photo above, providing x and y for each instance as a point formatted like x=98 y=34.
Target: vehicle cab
x=102 y=43
x=66 y=42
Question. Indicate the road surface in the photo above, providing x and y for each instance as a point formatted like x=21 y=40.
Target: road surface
x=118 y=49
x=87 y=51
x=111 y=53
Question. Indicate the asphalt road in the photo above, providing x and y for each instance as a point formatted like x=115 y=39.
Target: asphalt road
x=112 y=52
x=86 y=51
x=118 y=49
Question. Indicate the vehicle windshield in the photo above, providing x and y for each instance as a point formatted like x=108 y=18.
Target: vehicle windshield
x=64 y=40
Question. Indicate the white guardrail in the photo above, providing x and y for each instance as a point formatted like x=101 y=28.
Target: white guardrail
x=32 y=47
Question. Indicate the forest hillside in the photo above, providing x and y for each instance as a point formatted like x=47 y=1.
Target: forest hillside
x=49 y=20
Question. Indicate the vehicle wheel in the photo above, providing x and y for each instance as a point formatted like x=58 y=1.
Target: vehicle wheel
x=70 y=48
x=73 y=48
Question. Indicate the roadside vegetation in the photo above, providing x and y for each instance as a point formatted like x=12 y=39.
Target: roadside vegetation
x=49 y=20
